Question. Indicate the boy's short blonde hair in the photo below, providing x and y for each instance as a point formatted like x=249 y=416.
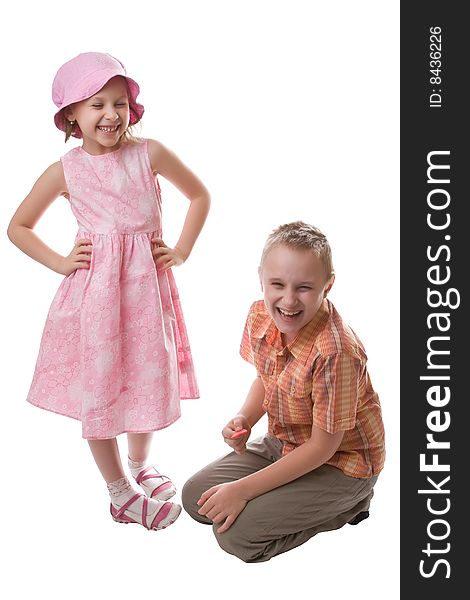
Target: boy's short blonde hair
x=301 y=236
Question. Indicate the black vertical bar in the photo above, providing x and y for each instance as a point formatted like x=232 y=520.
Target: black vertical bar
x=435 y=353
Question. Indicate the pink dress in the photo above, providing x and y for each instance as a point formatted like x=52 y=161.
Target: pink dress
x=114 y=352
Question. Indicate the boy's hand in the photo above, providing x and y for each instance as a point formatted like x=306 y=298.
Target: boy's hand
x=238 y=445
x=79 y=258
x=222 y=503
x=166 y=257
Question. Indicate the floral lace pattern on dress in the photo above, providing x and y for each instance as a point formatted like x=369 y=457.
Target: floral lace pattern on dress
x=115 y=352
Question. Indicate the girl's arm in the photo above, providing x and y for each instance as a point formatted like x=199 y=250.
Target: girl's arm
x=47 y=188
x=167 y=164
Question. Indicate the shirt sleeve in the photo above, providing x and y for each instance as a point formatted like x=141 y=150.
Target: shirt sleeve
x=246 y=350
x=335 y=392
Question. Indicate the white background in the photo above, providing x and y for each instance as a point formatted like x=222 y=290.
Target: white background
x=286 y=110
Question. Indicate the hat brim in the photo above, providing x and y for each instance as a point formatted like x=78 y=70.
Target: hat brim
x=136 y=110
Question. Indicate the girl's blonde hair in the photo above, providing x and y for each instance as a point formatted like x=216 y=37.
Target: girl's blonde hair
x=301 y=236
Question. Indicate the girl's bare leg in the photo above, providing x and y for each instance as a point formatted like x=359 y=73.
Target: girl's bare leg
x=139 y=446
x=107 y=458
x=154 y=484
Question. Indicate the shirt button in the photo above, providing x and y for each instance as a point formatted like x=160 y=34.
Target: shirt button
x=292 y=390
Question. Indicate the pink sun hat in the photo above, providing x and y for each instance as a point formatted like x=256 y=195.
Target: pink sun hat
x=82 y=77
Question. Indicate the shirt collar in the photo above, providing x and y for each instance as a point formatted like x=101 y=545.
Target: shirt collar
x=264 y=327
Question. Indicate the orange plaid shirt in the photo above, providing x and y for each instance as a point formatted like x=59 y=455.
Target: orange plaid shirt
x=321 y=379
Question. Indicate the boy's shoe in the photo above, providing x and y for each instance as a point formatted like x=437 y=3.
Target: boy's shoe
x=359 y=517
x=154 y=484
x=152 y=514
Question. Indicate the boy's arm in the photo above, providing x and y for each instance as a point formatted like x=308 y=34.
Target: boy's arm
x=252 y=409
x=305 y=458
x=249 y=414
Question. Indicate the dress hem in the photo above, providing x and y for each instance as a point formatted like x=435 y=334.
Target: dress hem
x=110 y=436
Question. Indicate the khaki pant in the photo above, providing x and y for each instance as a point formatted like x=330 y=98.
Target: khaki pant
x=275 y=522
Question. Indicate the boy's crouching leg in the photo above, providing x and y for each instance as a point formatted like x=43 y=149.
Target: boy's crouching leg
x=242 y=541
x=230 y=467
x=191 y=493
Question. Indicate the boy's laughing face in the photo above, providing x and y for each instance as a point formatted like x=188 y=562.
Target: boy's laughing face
x=294 y=284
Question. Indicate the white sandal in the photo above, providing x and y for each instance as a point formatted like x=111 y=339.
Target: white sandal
x=152 y=514
x=154 y=484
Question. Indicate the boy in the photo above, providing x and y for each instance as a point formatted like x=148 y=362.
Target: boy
x=316 y=468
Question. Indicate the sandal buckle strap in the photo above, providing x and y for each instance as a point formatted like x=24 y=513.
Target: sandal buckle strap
x=142 y=476
x=125 y=506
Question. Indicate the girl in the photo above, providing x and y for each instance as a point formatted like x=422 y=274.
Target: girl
x=114 y=351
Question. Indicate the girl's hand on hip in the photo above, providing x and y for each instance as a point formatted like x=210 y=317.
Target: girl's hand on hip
x=166 y=257
x=222 y=503
x=79 y=258
x=238 y=445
